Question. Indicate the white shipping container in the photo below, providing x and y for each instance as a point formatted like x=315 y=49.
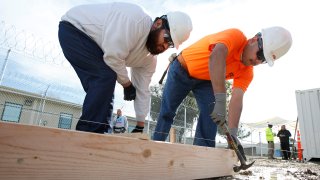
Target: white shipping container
x=308 y=105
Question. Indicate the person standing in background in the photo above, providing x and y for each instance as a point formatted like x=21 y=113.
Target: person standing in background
x=120 y=123
x=284 y=136
x=270 y=139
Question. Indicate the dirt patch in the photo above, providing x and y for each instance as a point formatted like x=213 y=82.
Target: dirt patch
x=278 y=169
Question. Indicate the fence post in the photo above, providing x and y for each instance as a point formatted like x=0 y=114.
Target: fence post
x=44 y=97
x=260 y=144
x=251 y=143
x=4 y=65
x=185 y=124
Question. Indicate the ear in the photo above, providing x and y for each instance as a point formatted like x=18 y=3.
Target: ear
x=253 y=39
x=157 y=24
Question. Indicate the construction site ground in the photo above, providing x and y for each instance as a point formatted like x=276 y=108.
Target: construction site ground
x=278 y=169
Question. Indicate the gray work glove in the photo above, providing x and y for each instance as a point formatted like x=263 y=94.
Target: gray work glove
x=172 y=57
x=218 y=114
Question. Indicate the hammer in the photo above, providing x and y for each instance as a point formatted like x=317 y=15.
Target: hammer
x=234 y=146
x=171 y=59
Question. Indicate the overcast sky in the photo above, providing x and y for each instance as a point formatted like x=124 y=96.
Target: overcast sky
x=271 y=93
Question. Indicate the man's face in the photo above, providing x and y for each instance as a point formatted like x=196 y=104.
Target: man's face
x=253 y=52
x=119 y=112
x=158 y=41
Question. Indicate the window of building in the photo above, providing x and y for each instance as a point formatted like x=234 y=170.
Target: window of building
x=65 y=121
x=11 y=112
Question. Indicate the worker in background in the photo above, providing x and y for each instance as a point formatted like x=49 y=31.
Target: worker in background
x=120 y=123
x=204 y=67
x=102 y=40
x=270 y=139
x=284 y=136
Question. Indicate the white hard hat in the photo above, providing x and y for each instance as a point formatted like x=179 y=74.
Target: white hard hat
x=180 y=25
x=276 y=42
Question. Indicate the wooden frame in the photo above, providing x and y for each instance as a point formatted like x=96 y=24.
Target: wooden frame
x=34 y=152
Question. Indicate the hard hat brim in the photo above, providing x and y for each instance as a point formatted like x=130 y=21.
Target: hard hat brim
x=266 y=51
x=269 y=58
x=175 y=40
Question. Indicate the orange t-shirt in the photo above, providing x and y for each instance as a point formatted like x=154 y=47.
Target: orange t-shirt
x=197 y=57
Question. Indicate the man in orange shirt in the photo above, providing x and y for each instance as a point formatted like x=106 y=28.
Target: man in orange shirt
x=203 y=68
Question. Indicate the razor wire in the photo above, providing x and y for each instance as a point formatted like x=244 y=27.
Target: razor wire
x=21 y=41
x=28 y=44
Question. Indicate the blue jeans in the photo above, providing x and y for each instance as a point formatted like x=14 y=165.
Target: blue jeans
x=177 y=87
x=98 y=80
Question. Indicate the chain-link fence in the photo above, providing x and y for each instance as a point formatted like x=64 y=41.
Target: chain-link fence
x=39 y=87
x=31 y=88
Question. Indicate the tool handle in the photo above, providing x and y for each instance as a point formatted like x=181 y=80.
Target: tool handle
x=233 y=144
x=163 y=75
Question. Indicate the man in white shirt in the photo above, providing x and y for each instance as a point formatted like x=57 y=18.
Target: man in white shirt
x=101 y=40
x=120 y=123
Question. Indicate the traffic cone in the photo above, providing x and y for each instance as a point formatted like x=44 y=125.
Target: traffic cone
x=299 y=147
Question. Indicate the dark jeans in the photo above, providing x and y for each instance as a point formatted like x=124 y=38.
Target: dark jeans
x=285 y=149
x=177 y=87
x=97 y=79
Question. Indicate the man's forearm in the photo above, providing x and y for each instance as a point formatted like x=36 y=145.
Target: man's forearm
x=234 y=116
x=217 y=68
x=235 y=108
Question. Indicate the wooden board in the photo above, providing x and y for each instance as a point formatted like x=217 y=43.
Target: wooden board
x=33 y=152
x=133 y=135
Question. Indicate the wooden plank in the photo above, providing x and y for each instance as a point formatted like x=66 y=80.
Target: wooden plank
x=33 y=152
x=143 y=136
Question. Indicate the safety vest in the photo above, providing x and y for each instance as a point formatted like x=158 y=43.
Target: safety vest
x=269 y=134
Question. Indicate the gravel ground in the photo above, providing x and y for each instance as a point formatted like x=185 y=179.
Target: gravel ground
x=278 y=169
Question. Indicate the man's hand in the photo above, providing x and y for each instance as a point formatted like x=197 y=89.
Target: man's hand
x=129 y=93
x=218 y=114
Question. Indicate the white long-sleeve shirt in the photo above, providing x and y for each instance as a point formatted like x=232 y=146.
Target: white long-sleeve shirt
x=121 y=31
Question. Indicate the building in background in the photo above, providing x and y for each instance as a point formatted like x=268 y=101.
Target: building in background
x=35 y=109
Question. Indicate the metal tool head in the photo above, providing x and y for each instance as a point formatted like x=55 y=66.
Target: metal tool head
x=243 y=166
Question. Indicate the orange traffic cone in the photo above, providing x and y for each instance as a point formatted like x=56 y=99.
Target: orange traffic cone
x=299 y=147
